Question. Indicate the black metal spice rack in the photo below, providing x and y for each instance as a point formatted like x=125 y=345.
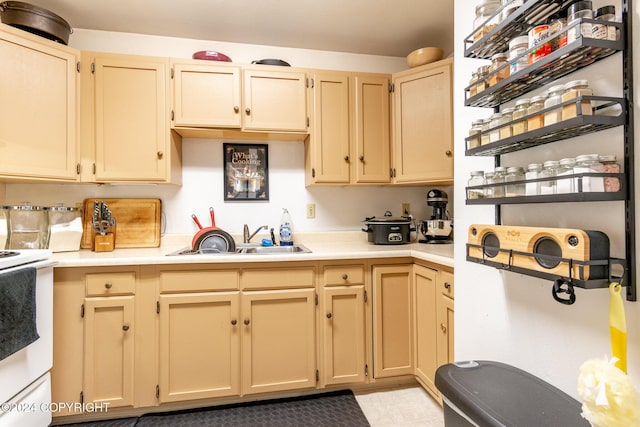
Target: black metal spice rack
x=563 y=61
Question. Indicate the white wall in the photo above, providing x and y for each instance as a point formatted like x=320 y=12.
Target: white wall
x=337 y=208
x=510 y=317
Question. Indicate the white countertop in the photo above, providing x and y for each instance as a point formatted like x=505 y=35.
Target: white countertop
x=323 y=246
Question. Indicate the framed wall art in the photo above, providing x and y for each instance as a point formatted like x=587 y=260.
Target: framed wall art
x=246 y=172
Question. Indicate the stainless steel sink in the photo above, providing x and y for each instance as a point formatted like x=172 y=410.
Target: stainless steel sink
x=268 y=250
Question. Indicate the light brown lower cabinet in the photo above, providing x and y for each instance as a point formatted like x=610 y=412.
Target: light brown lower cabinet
x=150 y=335
x=392 y=321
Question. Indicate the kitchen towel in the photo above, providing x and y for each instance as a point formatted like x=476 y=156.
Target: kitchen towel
x=17 y=310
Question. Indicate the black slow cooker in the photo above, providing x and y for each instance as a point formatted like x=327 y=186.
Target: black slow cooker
x=389 y=230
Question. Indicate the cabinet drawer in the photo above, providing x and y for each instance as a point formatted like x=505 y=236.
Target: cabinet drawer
x=446 y=283
x=344 y=275
x=198 y=281
x=279 y=278
x=105 y=284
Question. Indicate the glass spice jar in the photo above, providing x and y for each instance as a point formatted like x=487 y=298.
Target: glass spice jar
x=520 y=126
x=549 y=170
x=510 y=6
x=537 y=121
x=500 y=173
x=589 y=163
x=514 y=174
x=505 y=122
x=601 y=30
x=484 y=137
x=494 y=129
x=482 y=23
x=517 y=59
x=473 y=84
x=489 y=178
x=610 y=165
x=474 y=133
x=482 y=83
x=565 y=185
x=499 y=69
x=533 y=172
x=555 y=29
x=554 y=98
x=580 y=9
x=477 y=178
x=571 y=91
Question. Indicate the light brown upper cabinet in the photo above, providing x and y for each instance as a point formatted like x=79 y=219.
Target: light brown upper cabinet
x=423 y=124
x=39 y=88
x=349 y=142
x=125 y=120
x=226 y=96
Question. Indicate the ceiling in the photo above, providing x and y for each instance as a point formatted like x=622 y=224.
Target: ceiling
x=377 y=27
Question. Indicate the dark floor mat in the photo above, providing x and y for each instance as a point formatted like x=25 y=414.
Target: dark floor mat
x=119 y=422
x=328 y=409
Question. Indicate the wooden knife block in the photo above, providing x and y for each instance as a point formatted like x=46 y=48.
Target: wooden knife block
x=105 y=243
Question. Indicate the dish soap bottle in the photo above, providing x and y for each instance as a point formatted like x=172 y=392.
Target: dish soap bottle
x=286 y=229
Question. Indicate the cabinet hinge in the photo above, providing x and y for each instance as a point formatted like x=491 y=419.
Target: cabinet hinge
x=307 y=82
x=365 y=296
x=94 y=168
x=158 y=307
x=77 y=168
x=157 y=391
x=366 y=370
x=390 y=172
x=313 y=172
x=308 y=122
x=172 y=73
x=392 y=87
x=93 y=68
x=78 y=66
x=316 y=298
x=313 y=83
x=81 y=398
x=82 y=310
x=317 y=375
x=172 y=115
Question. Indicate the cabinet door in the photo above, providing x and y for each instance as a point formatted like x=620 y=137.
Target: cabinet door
x=329 y=144
x=425 y=306
x=206 y=96
x=372 y=136
x=131 y=118
x=392 y=321
x=445 y=330
x=108 y=350
x=423 y=137
x=343 y=330
x=278 y=341
x=199 y=346
x=38 y=111
x=275 y=101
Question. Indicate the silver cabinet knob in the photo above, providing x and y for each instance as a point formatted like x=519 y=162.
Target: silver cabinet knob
x=329 y=316
x=125 y=327
x=236 y=109
x=448 y=153
x=247 y=321
x=247 y=110
x=108 y=285
x=234 y=322
x=345 y=276
x=160 y=154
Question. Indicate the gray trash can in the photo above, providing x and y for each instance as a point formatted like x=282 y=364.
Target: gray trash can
x=493 y=394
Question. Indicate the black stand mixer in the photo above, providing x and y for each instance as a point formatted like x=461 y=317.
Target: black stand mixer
x=438 y=228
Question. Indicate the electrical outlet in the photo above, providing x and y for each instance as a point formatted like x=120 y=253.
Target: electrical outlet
x=311 y=210
x=406 y=209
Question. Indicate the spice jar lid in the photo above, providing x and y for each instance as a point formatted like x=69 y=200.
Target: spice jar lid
x=501 y=55
x=477 y=122
x=477 y=173
x=500 y=169
x=508 y=110
x=587 y=157
x=484 y=69
x=495 y=116
x=580 y=5
x=557 y=88
x=551 y=164
x=567 y=161
x=518 y=41
x=538 y=98
x=522 y=102
x=515 y=169
x=534 y=166
x=605 y=10
x=576 y=83
x=607 y=158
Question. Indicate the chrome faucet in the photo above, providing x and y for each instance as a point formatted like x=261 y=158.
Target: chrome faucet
x=247 y=236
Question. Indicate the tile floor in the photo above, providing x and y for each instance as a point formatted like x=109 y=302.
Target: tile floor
x=402 y=407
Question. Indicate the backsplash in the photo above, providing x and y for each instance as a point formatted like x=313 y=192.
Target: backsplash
x=337 y=208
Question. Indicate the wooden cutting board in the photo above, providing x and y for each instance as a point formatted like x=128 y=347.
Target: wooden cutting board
x=137 y=222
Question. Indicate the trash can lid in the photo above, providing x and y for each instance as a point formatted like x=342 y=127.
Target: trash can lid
x=496 y=394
